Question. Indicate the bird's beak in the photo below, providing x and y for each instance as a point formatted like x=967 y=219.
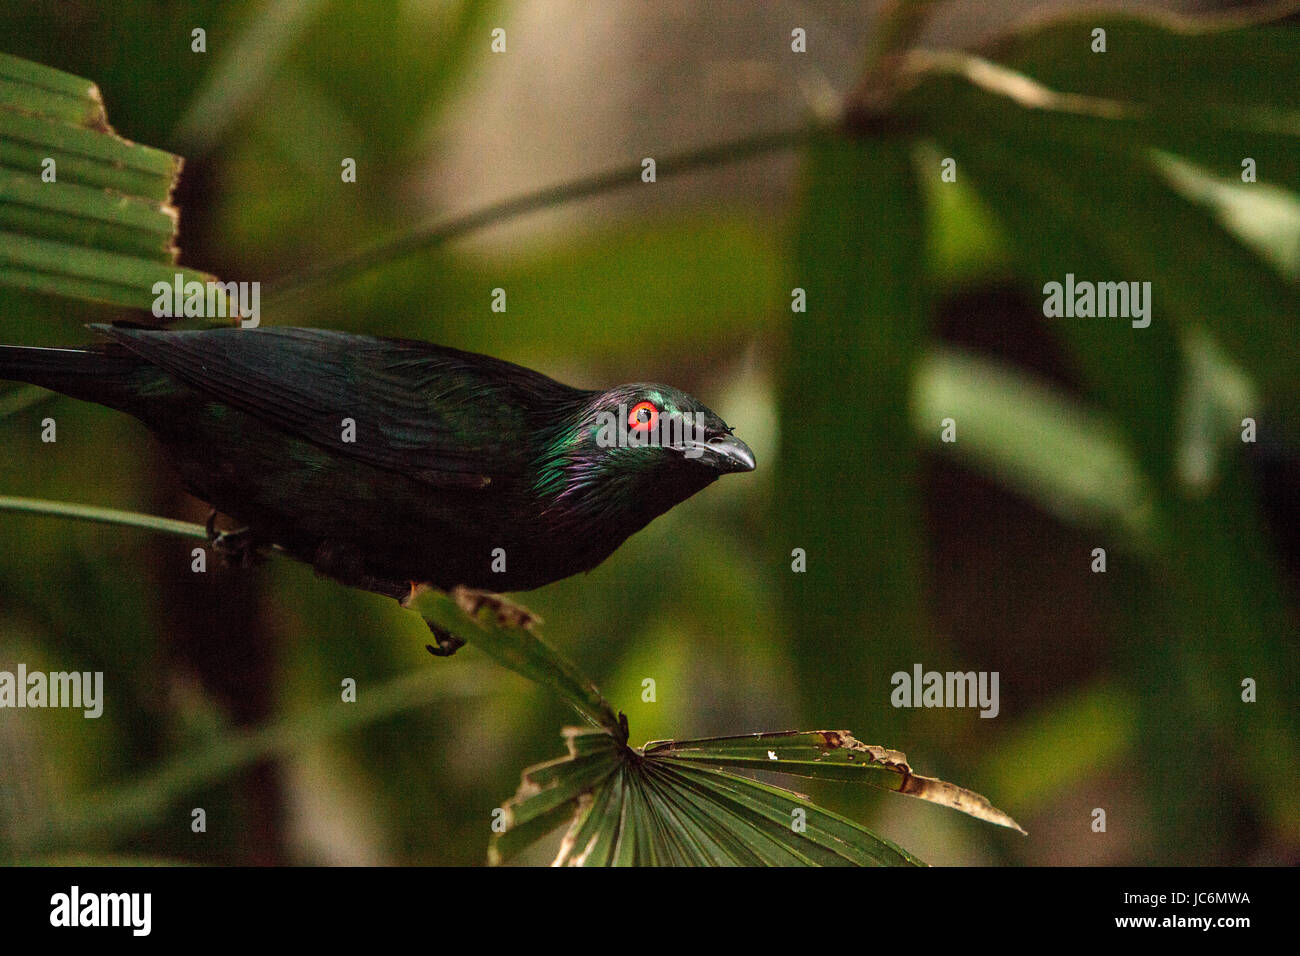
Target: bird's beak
x=725 y=453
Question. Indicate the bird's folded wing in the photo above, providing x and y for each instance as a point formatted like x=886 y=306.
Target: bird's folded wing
x=439 y=416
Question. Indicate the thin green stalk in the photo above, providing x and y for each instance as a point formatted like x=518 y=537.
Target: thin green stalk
x=897 y=28
x=435 y=234
x=133 y=805
x=130 y=519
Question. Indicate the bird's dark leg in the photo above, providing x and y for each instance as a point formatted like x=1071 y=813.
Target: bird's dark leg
x=447 y=643
x=471 y=602
x=235 y=548
x=444 y=642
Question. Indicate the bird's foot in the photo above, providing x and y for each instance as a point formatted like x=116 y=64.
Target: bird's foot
x=235 y=548
x=446 y=642
x=507 y=613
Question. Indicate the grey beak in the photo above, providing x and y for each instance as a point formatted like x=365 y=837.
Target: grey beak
x=726 y=453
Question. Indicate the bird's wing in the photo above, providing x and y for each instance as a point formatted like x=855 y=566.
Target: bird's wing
x=447 y=418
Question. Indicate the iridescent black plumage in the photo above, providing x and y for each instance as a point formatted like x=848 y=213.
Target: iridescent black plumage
x=454 y=455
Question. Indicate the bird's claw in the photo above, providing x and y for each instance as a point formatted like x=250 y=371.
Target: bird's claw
x=505 y=613
x=235 y=548
x=447 y=643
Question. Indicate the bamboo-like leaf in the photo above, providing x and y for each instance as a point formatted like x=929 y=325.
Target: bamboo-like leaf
x=593 y=835
x=1172 y=65
x=551 y=792
x=85 y=216
x=80 y=272
x=1068 y=459
x=811 y=835
x=1106 y=163
x=859 y=259
x=87 y=155
x=1113 y=206
x=702 y=844
x=102 y=227
x=828 y=754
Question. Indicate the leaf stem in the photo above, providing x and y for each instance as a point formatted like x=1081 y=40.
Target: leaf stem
x=898 y=27
x=131 y=519
x=437 y=233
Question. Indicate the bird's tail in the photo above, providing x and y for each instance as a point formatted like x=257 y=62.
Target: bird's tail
x=90 y=374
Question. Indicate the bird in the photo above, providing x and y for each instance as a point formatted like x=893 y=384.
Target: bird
x=386 y=463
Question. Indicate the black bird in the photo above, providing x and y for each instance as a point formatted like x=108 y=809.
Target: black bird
x=387 y=462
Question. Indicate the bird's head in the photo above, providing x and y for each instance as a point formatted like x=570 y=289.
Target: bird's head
x=634 y=451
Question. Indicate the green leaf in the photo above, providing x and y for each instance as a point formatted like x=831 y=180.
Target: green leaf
x=87 y=156
x=828 y=838
x=1074 y=217
x=104 y=228
x=84 y=215
x=508 y=634
x=1221 y=72
x=1074 y=154
x=60 y=268
x=827 y=754
x=44 y=91
x=678 y=803
x=1068 y=459
x=848 y=471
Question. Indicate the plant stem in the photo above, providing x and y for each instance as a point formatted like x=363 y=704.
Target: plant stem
x=121 y=809
x=131 y=519
x=437 y=233
x=898 y=27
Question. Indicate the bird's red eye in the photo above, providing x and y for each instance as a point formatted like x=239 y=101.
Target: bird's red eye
x=643 y=417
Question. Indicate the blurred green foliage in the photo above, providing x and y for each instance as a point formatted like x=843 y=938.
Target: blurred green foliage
x=1120 y=691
